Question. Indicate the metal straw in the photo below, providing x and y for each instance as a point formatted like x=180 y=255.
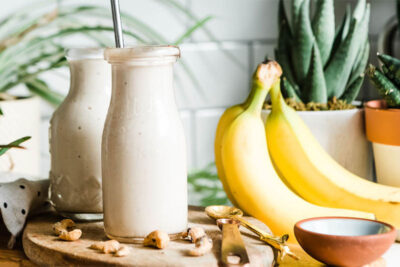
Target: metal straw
x=119 y=38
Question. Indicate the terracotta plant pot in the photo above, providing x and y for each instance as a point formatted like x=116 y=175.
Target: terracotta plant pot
x=383 y=130
x=21 y=118
x=341 y=133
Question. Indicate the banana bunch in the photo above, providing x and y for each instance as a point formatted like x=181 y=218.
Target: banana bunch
x=246 y=170
x=312 y=174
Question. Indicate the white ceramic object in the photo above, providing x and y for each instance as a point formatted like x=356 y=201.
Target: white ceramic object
x=75 y=135
x=144 y=148
x=341 y=134
x=21 y=118
x=387 y=160
x=345 y=227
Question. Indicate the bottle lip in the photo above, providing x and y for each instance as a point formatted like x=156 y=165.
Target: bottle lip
x=78 y=53
x=142 y=53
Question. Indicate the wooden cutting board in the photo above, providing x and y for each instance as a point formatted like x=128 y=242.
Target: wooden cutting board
x=43 y=248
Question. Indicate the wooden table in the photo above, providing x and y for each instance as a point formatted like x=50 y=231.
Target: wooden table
x=16 y=257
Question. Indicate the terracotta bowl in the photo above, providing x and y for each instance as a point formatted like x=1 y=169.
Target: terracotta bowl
x=344 y=241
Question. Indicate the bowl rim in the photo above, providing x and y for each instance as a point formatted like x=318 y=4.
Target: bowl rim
x=392 y=230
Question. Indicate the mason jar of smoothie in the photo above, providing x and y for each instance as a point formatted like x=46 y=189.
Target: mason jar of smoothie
x=144 y=148
x=75 y=137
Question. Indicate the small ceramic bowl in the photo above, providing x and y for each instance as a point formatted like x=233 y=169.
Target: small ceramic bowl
x=344 y=241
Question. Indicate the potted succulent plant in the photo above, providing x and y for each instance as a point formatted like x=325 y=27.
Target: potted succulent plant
x=32 y=42
x=323 y=71
x=382 y=119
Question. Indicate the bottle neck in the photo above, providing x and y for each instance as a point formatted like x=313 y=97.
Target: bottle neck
x=89 y=77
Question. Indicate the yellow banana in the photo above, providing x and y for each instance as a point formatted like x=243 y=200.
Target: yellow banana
x=314 y=175
x=250 y=175
x=226 y=119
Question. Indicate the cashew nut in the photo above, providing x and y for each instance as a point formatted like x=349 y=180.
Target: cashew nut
x=62 y=226
x=110 y=246
x=202 y=246
x=122 y=251
x=194 y=233
x=71 y=235
x=157 y=239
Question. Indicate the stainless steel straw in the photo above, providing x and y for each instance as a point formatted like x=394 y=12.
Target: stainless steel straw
x=119 y=39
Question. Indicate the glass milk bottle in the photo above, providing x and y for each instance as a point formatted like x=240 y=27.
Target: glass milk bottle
x=75 y=137
x=144 y=149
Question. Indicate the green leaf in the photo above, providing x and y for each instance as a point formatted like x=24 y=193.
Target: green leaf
x=352 y=91
x=40 y=88
x=392 y=68
x=386 y=88
x=28 y=77
x=296 y=10
x=315 y=87
x=282 y=53
x=303 y=40
x=343 y=30
x=361 y=63
x=323 y=26
x=192 y=29
x=289 y=90
x=340 y=66
x=359 y=11
x=15 y=144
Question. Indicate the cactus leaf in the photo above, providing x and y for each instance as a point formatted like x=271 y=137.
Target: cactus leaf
x=392 y=68
x=289 y=90
x=323 y=26
x=351 y=92
x=359 y=10
x=385 y=87
x=282 y=53
x=339 y=68
x=343 y=30
x=296 y=7
x=302 y=44
x=361 y=63
x=315 y=86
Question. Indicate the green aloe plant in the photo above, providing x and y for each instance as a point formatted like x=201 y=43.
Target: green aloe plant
x=32 y=38
x=320 y=63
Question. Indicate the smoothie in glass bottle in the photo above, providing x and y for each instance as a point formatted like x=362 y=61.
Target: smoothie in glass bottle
x=75 y=137
x=144 y=149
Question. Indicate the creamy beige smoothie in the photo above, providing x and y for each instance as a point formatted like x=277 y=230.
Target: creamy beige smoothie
x=144 y=149
x=75 y=134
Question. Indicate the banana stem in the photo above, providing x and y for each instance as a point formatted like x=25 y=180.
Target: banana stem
x=276 y=95
x=264 y=77
x=258 y=99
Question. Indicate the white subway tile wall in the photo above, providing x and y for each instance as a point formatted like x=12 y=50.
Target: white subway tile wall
x=221 y=59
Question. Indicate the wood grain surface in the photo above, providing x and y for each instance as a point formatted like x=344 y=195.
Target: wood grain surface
x=43 y=248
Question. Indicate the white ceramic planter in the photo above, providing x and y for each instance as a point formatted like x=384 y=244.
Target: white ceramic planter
x=21 y=118
x=341 y=134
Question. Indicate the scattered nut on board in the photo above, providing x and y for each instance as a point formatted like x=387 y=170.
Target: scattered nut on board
x=157 y=239
x=194 y=233
x=61 y=229
x=122 y=251
x=62 y=226
x=107 y=247
x=202 y=246
x=111 y=247
x=71 y=235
